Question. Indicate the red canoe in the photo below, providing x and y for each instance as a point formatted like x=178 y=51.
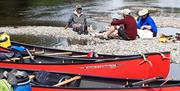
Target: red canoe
x=156 y=88
x=42 y=81
x=129 y=67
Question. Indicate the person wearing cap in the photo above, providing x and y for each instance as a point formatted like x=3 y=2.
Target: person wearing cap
x=129 y=31
x=78 y=21
x=146 y=26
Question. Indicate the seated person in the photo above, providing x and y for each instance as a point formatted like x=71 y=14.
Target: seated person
x=78 y=21
x=146 y=25
x=129 y=29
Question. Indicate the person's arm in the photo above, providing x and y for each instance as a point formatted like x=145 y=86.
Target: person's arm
x=139 y=19
x=152 y=25
x=69 y=22
x=146 y=27
x=118 y=22
x=85 y=20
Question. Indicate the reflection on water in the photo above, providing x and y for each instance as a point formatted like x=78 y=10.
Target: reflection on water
x=174 y=72
x=168 y=31
x=56 y=12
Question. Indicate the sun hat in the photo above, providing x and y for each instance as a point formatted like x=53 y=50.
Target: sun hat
x=143 y=12
x=78 y=7
x=125 y=11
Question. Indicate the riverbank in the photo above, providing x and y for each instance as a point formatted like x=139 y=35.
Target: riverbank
x=113 y=46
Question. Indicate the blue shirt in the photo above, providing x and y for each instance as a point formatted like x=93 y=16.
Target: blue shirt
x=147 y=21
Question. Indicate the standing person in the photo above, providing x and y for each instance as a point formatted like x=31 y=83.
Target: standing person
x=78 y=21
x=128 y=32
x=146 y=26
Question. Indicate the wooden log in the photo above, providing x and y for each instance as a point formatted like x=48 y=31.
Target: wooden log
x=67 y=81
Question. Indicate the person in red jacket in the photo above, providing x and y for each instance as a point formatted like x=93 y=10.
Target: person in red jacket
x=129 y=29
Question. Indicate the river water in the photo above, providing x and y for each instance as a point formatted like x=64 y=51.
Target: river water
x=56 y=13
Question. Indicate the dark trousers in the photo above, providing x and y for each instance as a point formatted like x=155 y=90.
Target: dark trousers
x=154 y=34
x=81 y=30
x=122 y=33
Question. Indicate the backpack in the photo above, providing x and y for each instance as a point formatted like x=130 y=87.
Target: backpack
x=6 y=55
x=5 y=86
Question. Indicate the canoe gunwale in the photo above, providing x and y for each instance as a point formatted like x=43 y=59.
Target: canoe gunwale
x=89 y=61
x=48 y=48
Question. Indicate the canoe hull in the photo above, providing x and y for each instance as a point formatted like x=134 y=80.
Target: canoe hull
x=134 y=68
x=173 y=88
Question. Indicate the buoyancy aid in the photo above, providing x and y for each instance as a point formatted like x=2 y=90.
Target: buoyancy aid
x=5 y=40
x=5 y=86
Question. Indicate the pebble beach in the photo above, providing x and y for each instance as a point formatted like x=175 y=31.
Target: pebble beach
x=112 y=46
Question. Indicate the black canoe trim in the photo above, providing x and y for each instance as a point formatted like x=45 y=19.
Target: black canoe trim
x=48 y=48
x=88 y=61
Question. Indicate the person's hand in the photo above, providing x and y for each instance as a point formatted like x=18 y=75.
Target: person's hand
x=65 y=27
x=143 y=27
x=146 y=27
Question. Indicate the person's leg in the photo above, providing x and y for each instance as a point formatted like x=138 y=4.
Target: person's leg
x=140 y=33
x=154 y=34
x=74 y=26
x=85 y=31
x=78 y=28
x=107 y=33
x=145 y=33
x=114 y=34
x=111 y=30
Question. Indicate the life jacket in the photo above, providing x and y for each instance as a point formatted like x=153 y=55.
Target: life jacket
x=18 y=80
x=5 y=40
x=5 y=86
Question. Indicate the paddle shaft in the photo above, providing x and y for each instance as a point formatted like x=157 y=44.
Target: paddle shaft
x=27 y=57
x=68 y=81
x=60 y=53
x=144 y=81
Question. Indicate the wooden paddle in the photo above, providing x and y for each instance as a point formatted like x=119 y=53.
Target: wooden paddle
x=61 y=83
x=60 y=53
x=67 y=81
x=76 y=56
x=14 y=59
x=143 y=82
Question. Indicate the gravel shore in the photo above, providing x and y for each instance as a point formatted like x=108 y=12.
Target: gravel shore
x=113 y=46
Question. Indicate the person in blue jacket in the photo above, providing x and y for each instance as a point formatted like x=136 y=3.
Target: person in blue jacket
x=145 y=22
